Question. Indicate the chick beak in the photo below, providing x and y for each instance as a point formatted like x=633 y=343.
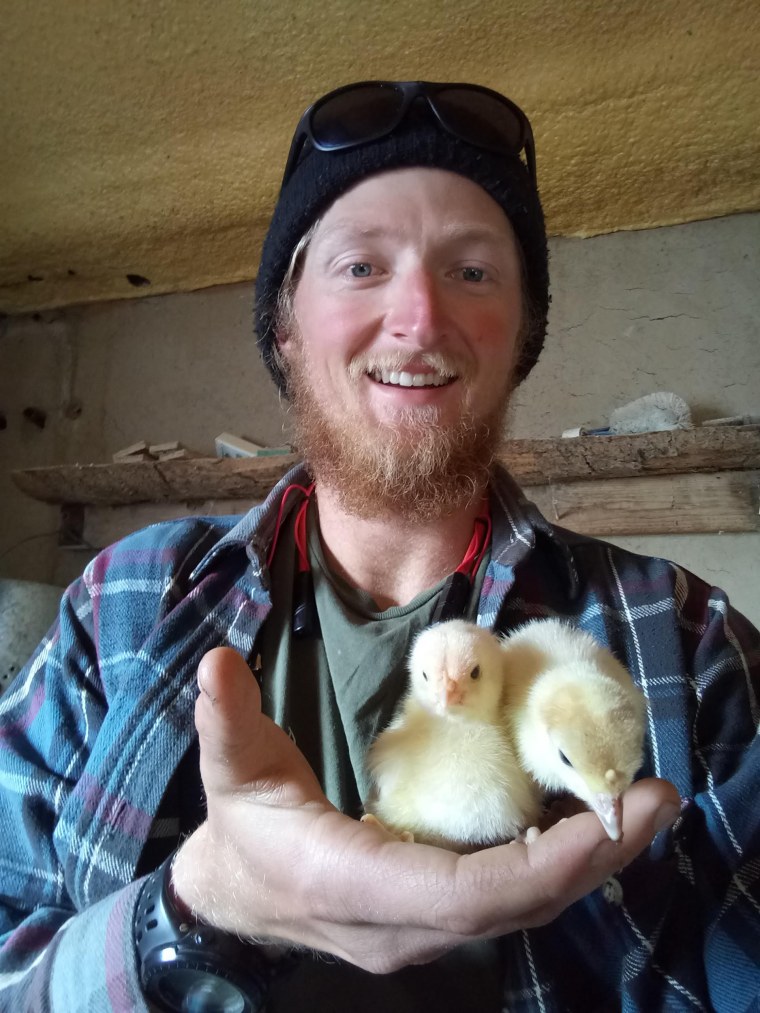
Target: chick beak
x=609 y=809
x=453 y=694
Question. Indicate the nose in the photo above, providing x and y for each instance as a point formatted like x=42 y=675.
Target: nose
x=416 y=310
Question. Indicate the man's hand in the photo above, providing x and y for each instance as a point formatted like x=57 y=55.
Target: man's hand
x=276 y=860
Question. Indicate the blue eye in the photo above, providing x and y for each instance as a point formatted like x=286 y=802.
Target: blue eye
x=361 y=270
x=473 y=273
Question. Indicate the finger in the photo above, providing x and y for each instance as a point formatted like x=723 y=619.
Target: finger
x=576 y=856
x=655 y=805
x=513 y=886
x=240 y=747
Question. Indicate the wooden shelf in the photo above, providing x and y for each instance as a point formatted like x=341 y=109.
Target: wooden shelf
x=700 y=480
x=531 y=462
x=678 y=452
x=184 y=481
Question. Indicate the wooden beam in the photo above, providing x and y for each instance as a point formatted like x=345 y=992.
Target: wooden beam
x=664 y=505
x=539 y=462
x=191 y=480
x=531 y=462
x=667 y=504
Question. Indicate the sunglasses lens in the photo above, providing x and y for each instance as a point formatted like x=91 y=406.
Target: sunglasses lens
x=480 y=118
x=357 y=115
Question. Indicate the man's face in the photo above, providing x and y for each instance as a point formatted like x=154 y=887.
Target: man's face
x=406 y=320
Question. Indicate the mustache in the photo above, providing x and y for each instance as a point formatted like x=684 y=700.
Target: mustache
x=400 y=360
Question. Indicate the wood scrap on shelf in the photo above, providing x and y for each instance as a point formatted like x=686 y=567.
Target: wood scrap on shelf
x=170 y=450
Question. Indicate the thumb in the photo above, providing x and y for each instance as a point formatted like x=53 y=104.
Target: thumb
x=240 y=747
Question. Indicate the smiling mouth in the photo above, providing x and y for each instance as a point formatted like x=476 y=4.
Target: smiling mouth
x=392 y=378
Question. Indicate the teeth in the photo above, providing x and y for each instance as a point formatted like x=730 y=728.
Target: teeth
x=405 y=379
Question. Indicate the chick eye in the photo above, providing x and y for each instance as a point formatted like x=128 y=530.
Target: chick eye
x=361 y=270
x=564 y=758
x=424 y=676
x=475 y=673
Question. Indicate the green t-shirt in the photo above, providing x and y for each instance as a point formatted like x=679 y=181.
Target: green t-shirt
x=333 y=693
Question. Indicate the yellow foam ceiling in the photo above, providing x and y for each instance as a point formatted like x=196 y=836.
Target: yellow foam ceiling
x=142 y=142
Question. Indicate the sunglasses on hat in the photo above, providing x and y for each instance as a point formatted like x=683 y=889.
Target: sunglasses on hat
x=357 y=114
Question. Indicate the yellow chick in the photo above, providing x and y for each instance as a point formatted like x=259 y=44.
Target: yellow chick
x=445 y=770
x=576 y=716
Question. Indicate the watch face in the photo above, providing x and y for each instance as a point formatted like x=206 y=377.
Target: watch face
x=196 y=991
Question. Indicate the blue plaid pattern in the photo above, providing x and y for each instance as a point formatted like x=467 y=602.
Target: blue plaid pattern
x=96 y=725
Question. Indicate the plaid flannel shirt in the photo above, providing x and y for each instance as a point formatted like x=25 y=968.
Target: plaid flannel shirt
x=96 y=724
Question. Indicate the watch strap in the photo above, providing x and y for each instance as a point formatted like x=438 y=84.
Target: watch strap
x=171 y=943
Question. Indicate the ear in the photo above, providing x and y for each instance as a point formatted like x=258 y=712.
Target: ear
x=282 y=351
x=281 y=341
x=284 y=328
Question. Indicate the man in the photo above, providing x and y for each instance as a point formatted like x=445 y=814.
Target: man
x=402 y=292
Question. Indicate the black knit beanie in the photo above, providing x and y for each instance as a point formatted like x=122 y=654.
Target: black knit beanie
x=321 y=177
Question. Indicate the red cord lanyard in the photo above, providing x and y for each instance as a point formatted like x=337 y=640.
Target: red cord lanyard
x=455 y=594
x=300 y=527
x=481 y=539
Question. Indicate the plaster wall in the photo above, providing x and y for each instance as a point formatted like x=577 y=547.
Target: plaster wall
x=673 y=308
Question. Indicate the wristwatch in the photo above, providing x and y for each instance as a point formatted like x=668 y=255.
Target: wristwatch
x=187 y=965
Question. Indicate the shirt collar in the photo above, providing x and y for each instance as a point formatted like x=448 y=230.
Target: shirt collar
x=254 y=532
x=517 y=523
x=517 y=526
